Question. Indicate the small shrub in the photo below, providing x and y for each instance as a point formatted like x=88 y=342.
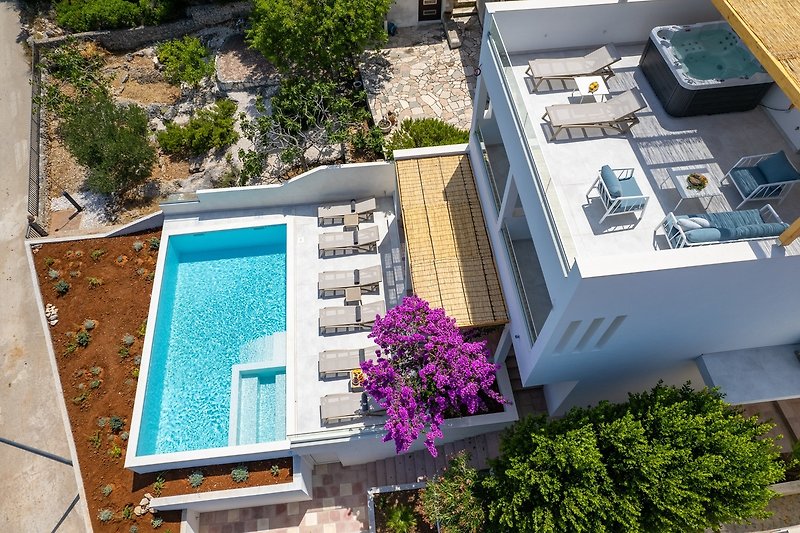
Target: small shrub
x=154 y=243
x=158 y=485
x=208 y=129
x=140 y=271
x=94 y=282
x=128 y=340
x=135 y=372
x=95 y=370
x=150 y=276
x=124 y=435
x=240 y=474
x=451 y=500
x=417 y=133
x=85 y=15
x=105 y=515
x=97 y=254
x=62 y=287
x=275 y=470
x=106 y=490
x=196 y=478
x=116 y=423
x=115 y=451
x=102 y=421
x=95 y=383
x=89 y=324
x=156 y=522
x=78 y=400
x=370 y=141
x=137 y=246
x=401 y=519
x=127 y=512
x=95 y=440
x=70 y=348
x=142 y=329
x=49 y=261
x=83 y=338
x=53 y=274
x=123 y=352
x=185 y=60
x=74 y=273
x=134 y=529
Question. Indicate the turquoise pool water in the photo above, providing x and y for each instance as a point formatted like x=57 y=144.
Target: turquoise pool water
x=222 y=301
x=714 y=53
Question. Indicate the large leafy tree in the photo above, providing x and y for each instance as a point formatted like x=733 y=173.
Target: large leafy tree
x=426 y=371
x=670 y=459
x=321 y=37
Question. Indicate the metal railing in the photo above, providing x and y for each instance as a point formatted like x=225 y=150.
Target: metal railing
x=523 y=295
x=527 y=128
x=36 y=183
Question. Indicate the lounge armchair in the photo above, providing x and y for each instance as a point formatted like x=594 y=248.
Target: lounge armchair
x=336 y=281
x=597 y=63
x=357 y=240
x=617 y=113
x=763 y=177
x=348 y=317
x=334 y=363
x=618 y=192
x=363 y=209
x=729 y=226
x=343 y=407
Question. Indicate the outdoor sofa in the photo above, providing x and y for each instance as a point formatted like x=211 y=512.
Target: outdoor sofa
x=728 y=226
x=763 y=177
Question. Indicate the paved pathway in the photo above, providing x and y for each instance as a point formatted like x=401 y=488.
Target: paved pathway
x=417 y=75
x=39 y=489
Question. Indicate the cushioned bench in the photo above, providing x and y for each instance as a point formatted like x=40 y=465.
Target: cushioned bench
x=763 y=177
x=728 y=226
x=618 y=191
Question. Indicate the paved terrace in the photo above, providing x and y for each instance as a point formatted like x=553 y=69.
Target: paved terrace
x=659 y=142
x=417 y=75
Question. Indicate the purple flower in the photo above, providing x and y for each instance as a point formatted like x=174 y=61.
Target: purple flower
x=425 y=370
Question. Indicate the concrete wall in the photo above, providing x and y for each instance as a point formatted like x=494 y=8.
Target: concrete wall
x=321 y=185
x=550 y=24
x=783 y=114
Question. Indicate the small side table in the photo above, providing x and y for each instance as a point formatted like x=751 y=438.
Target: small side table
x=679 y=176
x=350 y=221
x=352 y=295
x=583 y=83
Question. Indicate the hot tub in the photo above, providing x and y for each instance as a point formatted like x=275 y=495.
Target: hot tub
x=702 y=69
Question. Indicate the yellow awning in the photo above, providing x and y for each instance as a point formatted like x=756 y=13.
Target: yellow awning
x=771 y=30
x=449 y=253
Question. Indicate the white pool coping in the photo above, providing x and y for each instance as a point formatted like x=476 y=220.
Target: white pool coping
x=249 y=452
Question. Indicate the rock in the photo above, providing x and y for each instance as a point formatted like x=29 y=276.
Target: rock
x=53 y=322
x=156 y=62
x=157 y=124
x=152 y=511
x=145 y=503
x=181 y=120
x=196 y=165
x=148 y=495
x=128 y=57
x=125 y=77
x=138 y=511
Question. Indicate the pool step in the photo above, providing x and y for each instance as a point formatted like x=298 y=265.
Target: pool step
x=248 y=396
x=260 y=412
x=268 y=349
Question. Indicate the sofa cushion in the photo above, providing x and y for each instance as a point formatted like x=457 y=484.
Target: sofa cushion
x=755 y=231
x=704 y=235
x=733 y=219
x=629 y=187
x=702 y=222
x=688 y=224
x=777 y=168
x=611 y=182
x=747 y=179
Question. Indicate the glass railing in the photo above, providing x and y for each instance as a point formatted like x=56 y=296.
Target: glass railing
x=527 y=125
x=523 y=296
x=496 y=193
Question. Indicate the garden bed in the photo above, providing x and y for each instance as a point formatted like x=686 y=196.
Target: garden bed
x=110 y=283
x=397 y=508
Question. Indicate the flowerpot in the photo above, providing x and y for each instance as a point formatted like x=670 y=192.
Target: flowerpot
x=385 y=126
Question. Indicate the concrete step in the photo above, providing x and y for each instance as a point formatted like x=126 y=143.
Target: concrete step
x=451 y=30
x=465 y=3
x=464 y=12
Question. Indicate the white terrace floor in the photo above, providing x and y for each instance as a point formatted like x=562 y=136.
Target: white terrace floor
x=303 y=254
x=659 y=142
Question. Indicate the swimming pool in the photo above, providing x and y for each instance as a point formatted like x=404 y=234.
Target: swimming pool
x=702 y=69
x=220 y=327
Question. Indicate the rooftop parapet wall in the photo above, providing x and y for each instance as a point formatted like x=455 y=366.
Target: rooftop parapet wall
x=317 y=186
x=539 y=25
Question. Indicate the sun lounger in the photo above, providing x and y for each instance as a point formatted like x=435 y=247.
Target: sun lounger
x=357 y=240
x=333 y=319
x=332 y=214
x=618 y=113
x=336 y=281
x=597 y=63
x=334 y=363
x=342 y=407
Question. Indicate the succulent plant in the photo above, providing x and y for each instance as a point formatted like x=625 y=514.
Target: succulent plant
x=106 y=489
x=275 y=470
x=95 y=370
x=156 y=522
x=102 y=421
x=53 y=273
x=116 y=423
x=83 y=338
x=105 y=515
x=154 y=243
x=62 y=287
x=137 y=246
x=196 y=478
x=240 y=474
x=89 y=324
x=128 y=339
x=124 y=435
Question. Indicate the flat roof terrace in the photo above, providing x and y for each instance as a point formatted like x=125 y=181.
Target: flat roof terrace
x=658 y=144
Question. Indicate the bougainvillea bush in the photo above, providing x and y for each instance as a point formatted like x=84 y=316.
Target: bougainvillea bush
x=426 y=371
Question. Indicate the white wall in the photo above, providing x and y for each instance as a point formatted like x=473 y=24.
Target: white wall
x=550 y=24
x=783 y=114
x=321 y=185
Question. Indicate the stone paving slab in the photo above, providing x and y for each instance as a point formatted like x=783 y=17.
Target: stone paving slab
x=417 y=75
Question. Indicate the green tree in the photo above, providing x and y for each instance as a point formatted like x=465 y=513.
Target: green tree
x=323 y=37
x=209 y=128
x=185 y=60
x=110 y=140
x=454 y=500
x=670 y=459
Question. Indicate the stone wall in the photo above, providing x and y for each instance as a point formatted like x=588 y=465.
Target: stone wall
x=198 y=17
